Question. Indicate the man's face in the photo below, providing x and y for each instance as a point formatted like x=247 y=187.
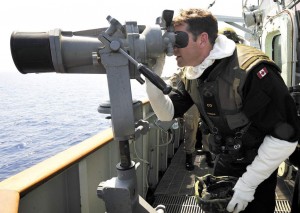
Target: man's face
x=193 y=54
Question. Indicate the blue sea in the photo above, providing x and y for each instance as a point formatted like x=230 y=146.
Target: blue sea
x=44 y=114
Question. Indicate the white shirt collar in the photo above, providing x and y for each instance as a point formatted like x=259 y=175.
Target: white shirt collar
x=222 y=48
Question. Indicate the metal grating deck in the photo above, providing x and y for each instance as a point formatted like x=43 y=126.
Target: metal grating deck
x=187 y=204
x=176 y=188
x=178 y=204
x=282 y=206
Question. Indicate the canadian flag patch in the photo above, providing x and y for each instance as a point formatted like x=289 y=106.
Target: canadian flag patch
x=262 y=73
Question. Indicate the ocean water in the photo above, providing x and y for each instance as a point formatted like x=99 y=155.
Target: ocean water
x=43 y=114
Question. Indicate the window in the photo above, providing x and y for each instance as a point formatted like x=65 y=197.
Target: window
x=276 y=50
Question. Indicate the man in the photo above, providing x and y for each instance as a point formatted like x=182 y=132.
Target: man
x=295 y=207
x=295 y=160
x=191 y=120
x=231 y=34
x=243 y=100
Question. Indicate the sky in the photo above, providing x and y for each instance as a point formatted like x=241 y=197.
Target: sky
x=74 y=15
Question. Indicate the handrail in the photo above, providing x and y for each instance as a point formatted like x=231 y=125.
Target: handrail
x=51 y=166
x=14 y=187
x=9 y=201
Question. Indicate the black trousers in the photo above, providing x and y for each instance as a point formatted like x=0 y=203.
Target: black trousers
x=296 y=195
x=264 y=197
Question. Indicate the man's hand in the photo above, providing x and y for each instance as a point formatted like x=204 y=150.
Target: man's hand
x=243 y=194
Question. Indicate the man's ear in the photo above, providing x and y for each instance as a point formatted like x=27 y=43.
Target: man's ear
x=203 y=39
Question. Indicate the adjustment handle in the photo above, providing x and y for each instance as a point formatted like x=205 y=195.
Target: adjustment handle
x=155 y=79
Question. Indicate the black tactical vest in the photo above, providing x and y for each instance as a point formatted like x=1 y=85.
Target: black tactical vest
x=220 y=95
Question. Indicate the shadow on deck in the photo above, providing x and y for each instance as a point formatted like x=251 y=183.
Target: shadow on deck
x=176 y=188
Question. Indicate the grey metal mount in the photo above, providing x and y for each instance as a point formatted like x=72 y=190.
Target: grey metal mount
x=120 y=52
x=120 y=193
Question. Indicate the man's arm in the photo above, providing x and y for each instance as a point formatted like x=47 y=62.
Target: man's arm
x=276 y=116
x=271 y=153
